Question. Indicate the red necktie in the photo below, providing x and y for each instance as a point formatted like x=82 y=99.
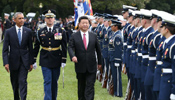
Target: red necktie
x=84 y=40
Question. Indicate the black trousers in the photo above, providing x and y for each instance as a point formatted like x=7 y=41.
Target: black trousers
x=19 y=82
x=86 y=83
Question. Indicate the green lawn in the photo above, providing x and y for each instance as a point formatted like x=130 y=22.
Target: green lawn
x=35 y=85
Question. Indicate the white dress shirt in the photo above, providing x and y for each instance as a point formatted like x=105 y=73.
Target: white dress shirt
x=17 y=29
x=87 y=37
x=49 y=27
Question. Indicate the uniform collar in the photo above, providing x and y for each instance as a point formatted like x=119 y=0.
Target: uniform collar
x=49 y=27
x=147 y=28
x=168 y=39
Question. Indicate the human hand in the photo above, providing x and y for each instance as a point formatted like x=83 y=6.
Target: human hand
x=74 y=59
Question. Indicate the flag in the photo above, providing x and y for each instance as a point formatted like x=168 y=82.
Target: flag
x=82 y=7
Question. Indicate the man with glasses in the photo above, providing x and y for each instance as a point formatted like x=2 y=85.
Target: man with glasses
x=53 y=54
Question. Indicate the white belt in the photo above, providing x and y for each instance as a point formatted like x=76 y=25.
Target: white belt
x=139 y=54
x=129 y=46
x=152 y=58
x=136 y=50
x=117 y=59
x=117 y=64
x=145 y=56
x=159 y=62
x=167 y=70
x=133 y=51
x=124 y=44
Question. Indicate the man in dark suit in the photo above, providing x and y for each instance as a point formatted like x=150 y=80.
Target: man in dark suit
x=17 y=56
x=83 y=47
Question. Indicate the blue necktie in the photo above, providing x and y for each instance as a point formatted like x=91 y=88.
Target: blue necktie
x=19 y=36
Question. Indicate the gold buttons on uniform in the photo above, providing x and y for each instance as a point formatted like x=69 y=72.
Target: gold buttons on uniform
x=49 y=38
x=168 y=81
x=49 y=42
x=161 y=75
x=148 y=64
x=155 y=67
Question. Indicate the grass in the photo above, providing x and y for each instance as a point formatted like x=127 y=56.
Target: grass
x=35 y=84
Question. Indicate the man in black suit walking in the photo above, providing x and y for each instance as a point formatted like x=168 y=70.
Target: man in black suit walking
x=18 y=56
x=83 y=47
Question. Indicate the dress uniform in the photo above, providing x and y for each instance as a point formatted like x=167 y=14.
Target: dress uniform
x=105 y=44
x=167 y=83
x=99 y=32
x=6 y=24
x=115 y=57
x=133 y=68
x=53 y=54
x=128 y=50
x=146 y=15
x=152 y=59
x=157 y=73
x=125 y=35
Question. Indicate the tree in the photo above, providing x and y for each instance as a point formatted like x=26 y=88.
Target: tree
x=165 y=5
x=37 y=15
x=104 y=5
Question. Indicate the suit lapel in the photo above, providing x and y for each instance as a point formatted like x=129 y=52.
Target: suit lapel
x=15 y=35
x=80 y=37
x=23 y=35
x=89 y=40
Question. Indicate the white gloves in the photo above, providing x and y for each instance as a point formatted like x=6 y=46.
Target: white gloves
x=172 y=97
x=34 y=66
x=63 y=65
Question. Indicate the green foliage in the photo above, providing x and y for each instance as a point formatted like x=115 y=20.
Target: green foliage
x=165 y=5
x=7 y=9
x=24 y=13
x=37 y=15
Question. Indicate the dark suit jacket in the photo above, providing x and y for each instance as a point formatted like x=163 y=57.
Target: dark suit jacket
x=86 y=58
x=13 y=53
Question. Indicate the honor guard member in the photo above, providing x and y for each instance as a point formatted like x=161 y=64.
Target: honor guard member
x=6 y=24
x=152 y=46
x=115 y=57
x=96 y=19
x=99 y=30
x=52 y=55
x=129 y=46
x=167 y=83
x=146 y=23
x=134 y=51
x=105 y=44
x=100 y=38
x=158 y=71
x=125 y=14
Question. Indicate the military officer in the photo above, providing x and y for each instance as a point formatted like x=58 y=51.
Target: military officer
x=146 y=23
x=125 y=14
x=129 y=46
x=115 y=57
x=53 y=42
x=134 y=51
x=160 y=40
x=152 y=45
x=105 y=43
x=167 y=83
x=6 y=24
